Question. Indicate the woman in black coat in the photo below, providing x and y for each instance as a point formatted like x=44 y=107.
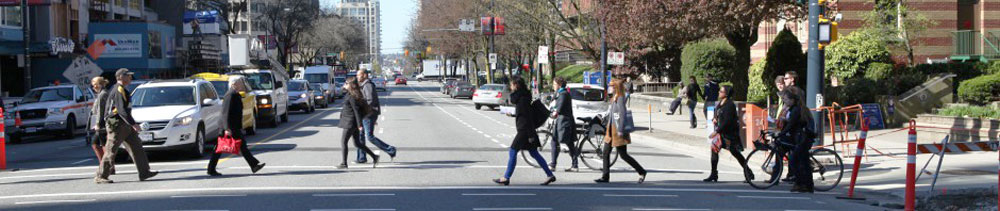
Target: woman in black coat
x=565 y=131
x=232 y=124
x=355 y=109
x=526 y=137
x=728 y=128
x=794 y=121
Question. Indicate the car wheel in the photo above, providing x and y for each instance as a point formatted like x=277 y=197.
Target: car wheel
x=284 y=117
x=275 y=120
x=198 y=150
x=70 y=127
x=478 y=106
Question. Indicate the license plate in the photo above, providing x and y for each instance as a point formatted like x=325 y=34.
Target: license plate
x=146 y=136
x=30 y=130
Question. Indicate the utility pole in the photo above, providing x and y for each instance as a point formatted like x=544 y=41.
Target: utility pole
x=604 y=56
x=492 y=37
x=26 y=28
x=814 y=75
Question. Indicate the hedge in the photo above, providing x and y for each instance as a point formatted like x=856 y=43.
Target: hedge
x=970 y=111
x=713 y=57
x=980 y=90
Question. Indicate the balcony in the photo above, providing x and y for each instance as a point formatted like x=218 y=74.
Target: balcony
x=969 y=45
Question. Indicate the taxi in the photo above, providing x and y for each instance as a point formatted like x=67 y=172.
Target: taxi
x=221 y=84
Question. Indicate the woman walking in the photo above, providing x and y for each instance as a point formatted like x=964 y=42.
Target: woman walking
x=98 y=131
x=565 y=131
x=615 y=136
x=354 y=111
x=526 y=137
x=727 y=128
x=232 y=124
x=795 y=121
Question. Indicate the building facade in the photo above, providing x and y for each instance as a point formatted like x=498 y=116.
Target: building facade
x=365 y=12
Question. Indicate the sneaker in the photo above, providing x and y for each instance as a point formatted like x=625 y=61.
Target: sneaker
x=342 y=166
x=573 y=169
x=102 y=181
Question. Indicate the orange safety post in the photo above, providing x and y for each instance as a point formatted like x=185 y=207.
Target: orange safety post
x=911 y=166
x=3 y=142
x=857 y=161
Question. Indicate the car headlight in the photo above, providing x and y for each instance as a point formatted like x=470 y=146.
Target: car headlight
x=302 y=96
x=54 y=111
x=183 y=121
x=264 y=101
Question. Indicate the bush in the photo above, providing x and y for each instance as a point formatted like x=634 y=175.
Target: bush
x=980 y=90
x=905 y=80
x=963 y=71
x=970 y=111
x=855 y=91
x=993 y=68
x=878 y=71
x=758 y=90
x=853 y=54
x=785 y=54
x=712 y=57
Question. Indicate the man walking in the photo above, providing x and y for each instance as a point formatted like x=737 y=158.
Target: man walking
x=368 y=123
x=693 y=91
x=122 y=129
x=711 y=94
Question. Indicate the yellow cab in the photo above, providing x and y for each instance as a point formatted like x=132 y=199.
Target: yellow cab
x=221 y=84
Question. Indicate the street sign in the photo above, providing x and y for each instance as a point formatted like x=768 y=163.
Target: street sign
x=616 y=58
x=467 y=25
x=81 y=70
x=493 y=58
x=543 y=54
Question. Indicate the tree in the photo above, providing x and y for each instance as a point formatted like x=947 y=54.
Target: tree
x=898 y=25
x=333 y=34
x=288 y=21
x=229 y=10
x=785 y=54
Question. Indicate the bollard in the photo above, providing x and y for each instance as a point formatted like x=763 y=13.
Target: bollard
x=857 y=161
x=3 y=142
x=911 y=168
x=650 y=107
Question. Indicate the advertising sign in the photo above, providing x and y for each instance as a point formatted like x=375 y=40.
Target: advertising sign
x=207 y=22
x=30 y=2
x=121 y=45
x=873 y=112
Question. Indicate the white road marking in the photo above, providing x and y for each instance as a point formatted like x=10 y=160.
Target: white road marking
x=362 y=209
x=678 y=209
x=512 y=208
x=196 y=210
x=498 y=194
x=352 y=194
x=480 y=132
x=504 y=145
x=116 y=166
x=84 y=160
x=381 y=130
x=628 y=195
x=208 y=196
x=54 y=201
x=487 y=136
x=774 y=197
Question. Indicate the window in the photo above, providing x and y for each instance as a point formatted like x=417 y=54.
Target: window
x=135 y=4
x=12 y=16
x=46 y=95
x=77 y=93
x=211 y=91
x=163 y=96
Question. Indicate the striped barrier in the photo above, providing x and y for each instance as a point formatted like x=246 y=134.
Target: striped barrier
x=3 y=142
x=958 y=147
x=911 y=168
x=857 y=161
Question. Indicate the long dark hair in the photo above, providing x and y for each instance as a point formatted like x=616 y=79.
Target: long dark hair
x=792 y=98
x=354 y=89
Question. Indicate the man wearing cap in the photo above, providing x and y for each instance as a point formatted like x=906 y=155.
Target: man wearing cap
x=122 y=129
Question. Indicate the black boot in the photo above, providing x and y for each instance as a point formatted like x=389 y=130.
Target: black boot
x=714 y=177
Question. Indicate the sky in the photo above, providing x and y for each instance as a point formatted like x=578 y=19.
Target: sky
x=396 y=17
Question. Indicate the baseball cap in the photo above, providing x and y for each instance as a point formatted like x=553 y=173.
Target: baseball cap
x=122 y=72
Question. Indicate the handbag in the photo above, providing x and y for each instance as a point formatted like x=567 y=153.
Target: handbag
x=716 y=143
x=539 y=114
x=228 y=144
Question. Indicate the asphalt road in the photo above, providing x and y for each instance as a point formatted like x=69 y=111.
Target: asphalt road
x=448 y=154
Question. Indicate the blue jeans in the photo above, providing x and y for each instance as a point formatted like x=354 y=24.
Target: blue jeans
x=368 y=124
x=512 y=162
x=694 y=118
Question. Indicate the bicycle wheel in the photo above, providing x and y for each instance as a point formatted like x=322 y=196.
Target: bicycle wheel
x=766 y=167
x=827 y=168
x=544 y=137
x=591 y=147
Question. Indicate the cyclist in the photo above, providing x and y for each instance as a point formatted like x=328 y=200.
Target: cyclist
x=794 y=126
x=565 y=130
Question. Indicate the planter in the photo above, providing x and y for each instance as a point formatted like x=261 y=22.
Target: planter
x=962 y=129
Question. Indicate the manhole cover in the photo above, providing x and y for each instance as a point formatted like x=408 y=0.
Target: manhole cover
x=967 y=172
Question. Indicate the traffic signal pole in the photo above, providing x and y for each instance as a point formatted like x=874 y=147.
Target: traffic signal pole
x=814 y=75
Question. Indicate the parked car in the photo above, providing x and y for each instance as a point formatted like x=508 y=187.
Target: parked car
x=462 y=89
x=272 y=95
x=300 y=97
x=379 y=83
x=61 y=110
x=318 y=98
x=588 y=101
x=177 y=115
x=135 y=83
x=491 y=95
x=400 y=80
x=221 y=84
x=447 y=85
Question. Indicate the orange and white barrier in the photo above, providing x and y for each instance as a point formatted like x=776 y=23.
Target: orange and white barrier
x=3 y=142
x=911 y=168
x=857 y=160
x=958 y=147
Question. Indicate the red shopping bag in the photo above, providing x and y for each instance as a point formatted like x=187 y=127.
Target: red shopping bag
x=228 y=144
x=716 y=143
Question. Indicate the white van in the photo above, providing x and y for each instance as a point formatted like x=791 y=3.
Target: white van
x=322 y=75
x=272 y=94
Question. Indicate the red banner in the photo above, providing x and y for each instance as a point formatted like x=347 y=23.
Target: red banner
x=30 y=2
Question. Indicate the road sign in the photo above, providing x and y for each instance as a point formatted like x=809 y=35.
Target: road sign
x=467 y=25
x=81 y=70
x=493 y=58
x=543 y=54
x=616 y=58
x=873 y=113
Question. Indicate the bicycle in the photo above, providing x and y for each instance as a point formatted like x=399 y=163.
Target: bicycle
x=590 y=142
x=827 y=167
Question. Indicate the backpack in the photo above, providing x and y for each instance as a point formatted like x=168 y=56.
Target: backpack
x=539 y=113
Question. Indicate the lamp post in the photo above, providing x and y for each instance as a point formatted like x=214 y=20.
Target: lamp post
x=25 y=19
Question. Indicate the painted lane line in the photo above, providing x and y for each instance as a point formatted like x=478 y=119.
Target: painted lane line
x=208 y=196
x=487 y=136
x=670 y=209
x=498 y=194
x=352 y=194
x=504 y=145
x=53 y=201
x=381 y=130
x=84 y=160
x=116 y=166
x=361 y=209
x=629 y=195
x=774 y=197
x=512 y=208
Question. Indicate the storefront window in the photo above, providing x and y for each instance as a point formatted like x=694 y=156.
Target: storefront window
x=135 y=4
x=12 y=16
x=120 y=3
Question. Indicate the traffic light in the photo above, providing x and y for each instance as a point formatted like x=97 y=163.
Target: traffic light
x=827 y=32
x=406 y=53
x=341 y=55
x=428 y=49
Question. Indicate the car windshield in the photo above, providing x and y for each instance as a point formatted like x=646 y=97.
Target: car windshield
x=340 y=80
x=46 y=95
x=314 y=87
x=296 y=86
x=260 y=81
x=585 y=94
x=491 y=88
x=221 y=87
x=317 y=78
x=163 y=96
x=463 y=84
